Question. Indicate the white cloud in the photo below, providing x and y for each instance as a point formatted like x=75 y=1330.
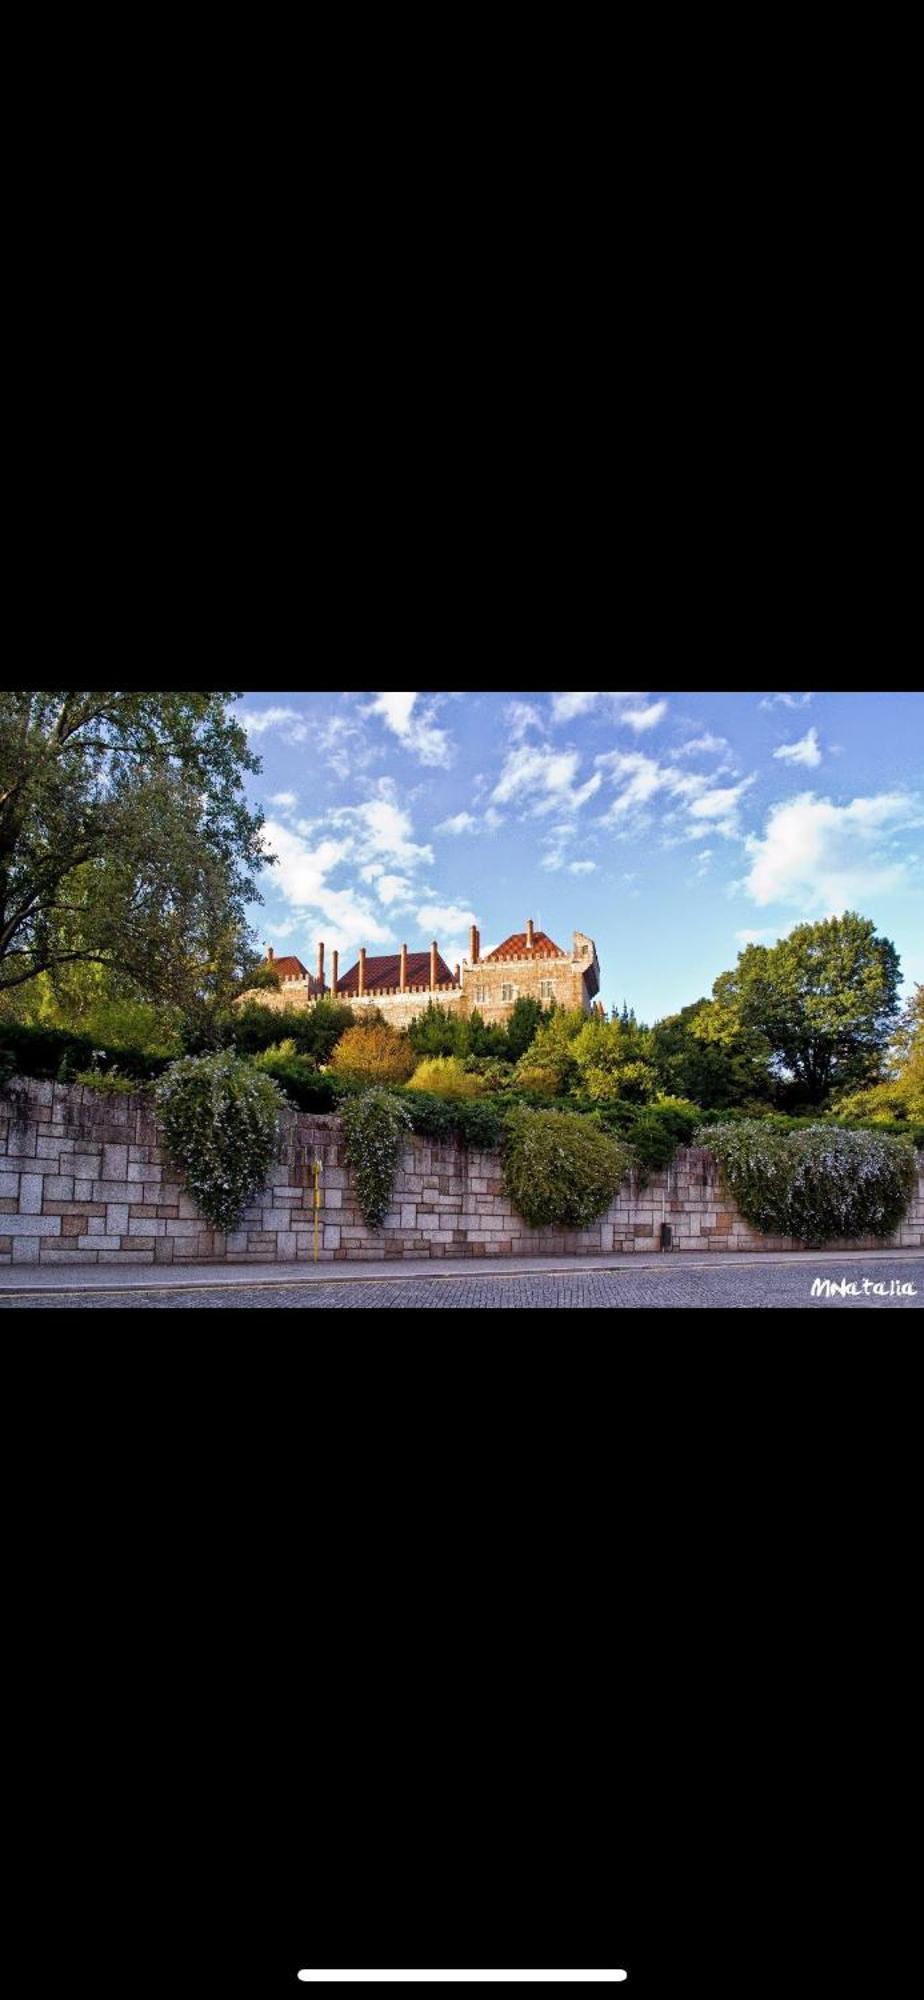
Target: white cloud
x=285 y=800
x=640 y=779
x=546 y=779
x=493 y=819
x=257 y=721
x=707 y=744
x=384 y=827
x=436 y=917
x=806 y=751
x=521 y=716
x=830 y=857
x=566 y=706
x=414 y=727
x=758 y=936
x=393 y=888
x=581 y=867
x=787 y=700
x=461 y=822
x=644 y=718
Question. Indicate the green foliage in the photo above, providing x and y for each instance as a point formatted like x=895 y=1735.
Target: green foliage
x=263 y=978
x=439 y=1031
x=815 y=1184
x=551 y=1051
x=126 y=840
x=375 y=1126
x=445 y=1076
x=561 y=1170
x=522 y=1026
x=478 y=1124
x=825 y=1000
x=221 y=1126
x=53 y=1052
x=315 y=1030
x=901 y=1095
x=611 y=1060
x=705 y=1055
x=653 y=1131
x=374 y=1053
x=108 y=1082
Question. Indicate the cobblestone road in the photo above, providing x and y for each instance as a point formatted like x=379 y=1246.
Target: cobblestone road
x=760 y=1286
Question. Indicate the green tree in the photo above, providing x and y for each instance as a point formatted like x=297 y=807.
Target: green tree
x=825 y=999
x=704 y=1055
x=126 y=840
x=613 y=1060
x=523 y=1023
x=901 y=1094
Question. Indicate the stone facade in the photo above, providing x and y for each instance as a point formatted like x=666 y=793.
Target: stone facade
x=82 y=1181
x=527 y=965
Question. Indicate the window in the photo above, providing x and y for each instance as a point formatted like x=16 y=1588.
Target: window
x=508 y=993
x=546 y=989
x=481 y=996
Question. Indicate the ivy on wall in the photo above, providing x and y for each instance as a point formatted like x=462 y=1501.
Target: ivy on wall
x=221 y=1123
x=375 y=1127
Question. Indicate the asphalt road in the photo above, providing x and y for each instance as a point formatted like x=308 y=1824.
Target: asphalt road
x=748 y=1286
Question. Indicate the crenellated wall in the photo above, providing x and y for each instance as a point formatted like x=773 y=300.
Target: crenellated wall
x=82 y=1180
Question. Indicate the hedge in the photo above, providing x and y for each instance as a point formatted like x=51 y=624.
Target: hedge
x=58 y=1053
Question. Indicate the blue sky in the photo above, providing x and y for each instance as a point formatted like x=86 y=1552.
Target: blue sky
x=673 y=828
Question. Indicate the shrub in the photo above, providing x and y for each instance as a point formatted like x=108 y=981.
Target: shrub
x=537 y=1081
x=314 y=1030
x=57 y=1053
x=375 y=1127
x=815 y=1183
x=375 y=1054
x=445 y=1076
x=478 y=1123
x=109 y=1082
x=221 y=1126
x=561 y=1169
x=302 y=1084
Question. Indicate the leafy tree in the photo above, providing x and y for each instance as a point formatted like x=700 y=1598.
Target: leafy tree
x=261 y=979
x=315 y=1030
x=438 y=1031
x=611 y=1058
x=374 y=1054
x=126 y=840
x=825 y=998
x=901 y=1095
x=550 y=1055
x=704 y=1055
x=524 y=1021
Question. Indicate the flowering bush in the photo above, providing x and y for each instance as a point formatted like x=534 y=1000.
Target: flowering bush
x=561 y=1169
x=375 y=1127
x=814 y=1184
x=221 y=1127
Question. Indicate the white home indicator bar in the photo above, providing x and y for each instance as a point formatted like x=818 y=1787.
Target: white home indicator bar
x=396 y=1978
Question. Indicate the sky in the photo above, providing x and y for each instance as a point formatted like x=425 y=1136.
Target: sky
x=672 y=828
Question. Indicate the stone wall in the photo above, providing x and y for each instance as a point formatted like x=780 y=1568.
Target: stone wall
x=82 y=1181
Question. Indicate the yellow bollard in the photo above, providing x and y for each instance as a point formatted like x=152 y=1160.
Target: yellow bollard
x=317 y=1202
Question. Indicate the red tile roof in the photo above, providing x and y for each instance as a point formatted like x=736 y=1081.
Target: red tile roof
x=515 y=947
x=287 y=968
x=384 y=973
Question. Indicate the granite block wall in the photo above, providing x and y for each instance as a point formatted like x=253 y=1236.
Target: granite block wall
x=82 y=1180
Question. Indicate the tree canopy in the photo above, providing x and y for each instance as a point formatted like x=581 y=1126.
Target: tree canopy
x=126 y=840
x=825 y=998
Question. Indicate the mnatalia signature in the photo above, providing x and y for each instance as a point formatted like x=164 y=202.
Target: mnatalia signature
x=850 y=1288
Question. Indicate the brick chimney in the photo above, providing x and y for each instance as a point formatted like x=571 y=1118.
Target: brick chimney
x=529 y=933
x=457 y=976
x=335 y=968
x=269 y=953
x=473 y=946
x=321 y=967
x=433 y=949
x=404 y=968
x=362 y=969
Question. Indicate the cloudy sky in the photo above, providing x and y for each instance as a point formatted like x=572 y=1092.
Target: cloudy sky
x=673 y=828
